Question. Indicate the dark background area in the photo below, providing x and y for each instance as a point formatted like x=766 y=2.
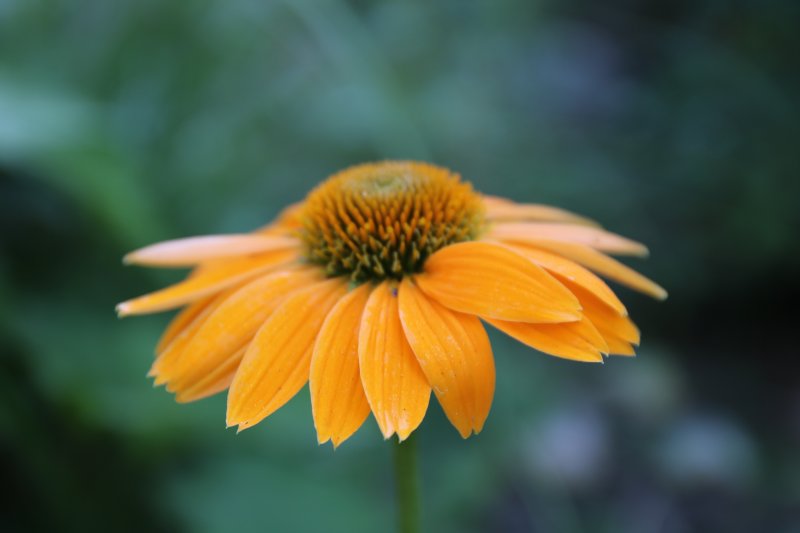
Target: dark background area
x=675 y=123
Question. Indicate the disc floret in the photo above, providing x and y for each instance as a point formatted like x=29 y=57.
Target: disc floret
x=379 y=221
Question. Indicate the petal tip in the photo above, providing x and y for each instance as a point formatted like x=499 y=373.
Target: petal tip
x=591 y=358
x=634 y=249
x=182 y=398
x=404 y=434
x=386 y=431
x=465 y=434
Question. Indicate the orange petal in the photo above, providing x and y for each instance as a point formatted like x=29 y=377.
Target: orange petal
x=232 y=325
x=206 y=280
x=620 y=347
x=338 y=402
x=500 y=209
x=488 y=279
x=608 y=322
x=193 y=250
x=276 y=364
x=174 y=350
x=574 y=340
x=217 y=380
x=605 y=266
x=180 y=321
x=396 y=389
x=567 y=271
x=530 y=232
x=453 y=351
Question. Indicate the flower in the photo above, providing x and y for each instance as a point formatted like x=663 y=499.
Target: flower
x=374 y=289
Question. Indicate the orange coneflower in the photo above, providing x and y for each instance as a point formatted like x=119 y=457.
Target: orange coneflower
x=373 y=290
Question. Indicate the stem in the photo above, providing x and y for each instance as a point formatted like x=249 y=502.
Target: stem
x=407 y=485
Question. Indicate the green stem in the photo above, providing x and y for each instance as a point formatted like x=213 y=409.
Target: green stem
x=407 y=485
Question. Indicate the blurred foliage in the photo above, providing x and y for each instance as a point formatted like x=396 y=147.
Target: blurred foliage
x=676 y=123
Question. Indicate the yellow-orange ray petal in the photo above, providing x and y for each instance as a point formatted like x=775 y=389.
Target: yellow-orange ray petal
x=193 y=250
x=276 y=364
x=217 y=380
x=488 y=279
x=206 y=280
x=180 y=321
x=453 y=351
x=397 y=391
x=605 y=266
x=174 y=350
x=579 y=341
x=599 y=239
x=233 y=324
x=620 y=347
x=567 y=271
x=608 y=322
x=338 y=403
x=503 y=210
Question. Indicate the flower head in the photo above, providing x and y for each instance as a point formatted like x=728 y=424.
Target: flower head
x=374 y=290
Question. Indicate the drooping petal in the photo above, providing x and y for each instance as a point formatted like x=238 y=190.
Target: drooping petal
x=232 y=325
x=172 y=351
x=579 y=341
x=194 y=250
x=217 y=380
x=180 y=321
x=454 y=353
x=208 y=279
x=338 y=402
x=605 y=266
x=276 y=364
x=620 y=347
x=567 y=271
x=488 y=279
x=612 y=324
x=500 y=209
x=618 y=330
x=397 y=391
x=599 y=239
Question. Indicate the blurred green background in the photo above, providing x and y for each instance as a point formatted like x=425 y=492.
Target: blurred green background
x=673 y=122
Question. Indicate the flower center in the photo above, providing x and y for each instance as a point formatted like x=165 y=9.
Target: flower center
x=383 y=220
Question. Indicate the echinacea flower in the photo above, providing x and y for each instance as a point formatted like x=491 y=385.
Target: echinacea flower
x=374 y=290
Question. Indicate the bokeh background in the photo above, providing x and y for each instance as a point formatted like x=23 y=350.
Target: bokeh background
x=673 y=122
